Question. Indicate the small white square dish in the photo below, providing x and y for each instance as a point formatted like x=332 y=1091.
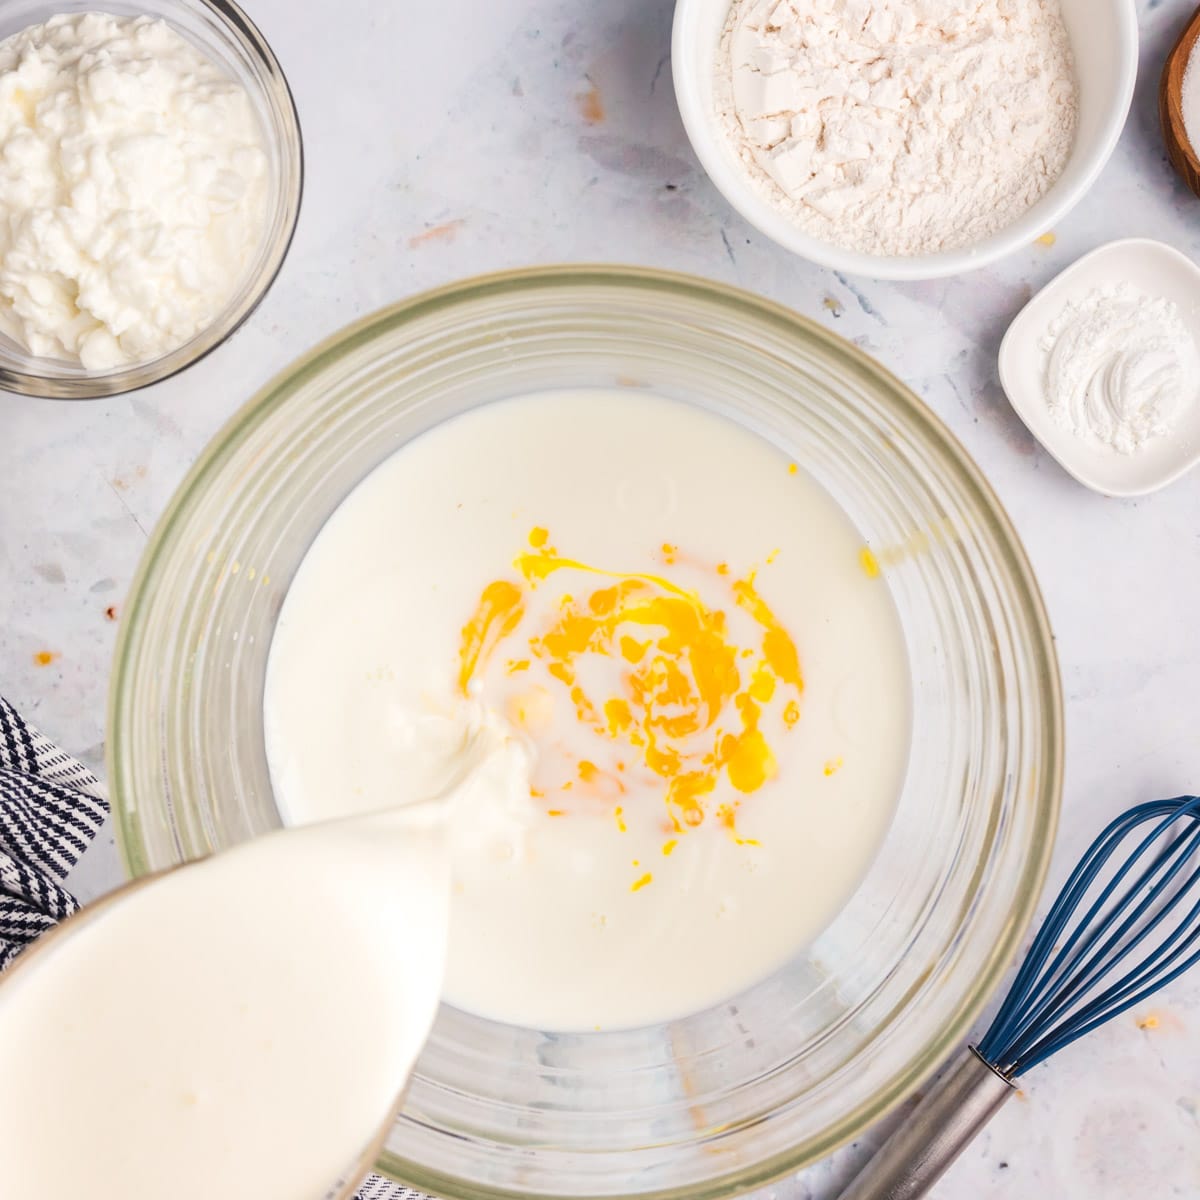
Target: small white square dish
x=1151 y=269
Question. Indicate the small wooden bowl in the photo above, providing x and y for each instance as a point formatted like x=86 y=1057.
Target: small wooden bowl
x=1170 y=107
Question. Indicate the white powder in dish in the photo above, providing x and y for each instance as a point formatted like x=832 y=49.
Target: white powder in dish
x=1120 y=367
x=133 y=186
x=898 y=127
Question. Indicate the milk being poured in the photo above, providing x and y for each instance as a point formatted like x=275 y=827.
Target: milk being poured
x=239 y=1028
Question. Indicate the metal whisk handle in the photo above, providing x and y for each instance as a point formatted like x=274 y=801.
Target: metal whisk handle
x=935 y=1134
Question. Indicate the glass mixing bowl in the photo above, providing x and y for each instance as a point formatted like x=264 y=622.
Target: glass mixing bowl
x=782 y=1074
x=230 y=39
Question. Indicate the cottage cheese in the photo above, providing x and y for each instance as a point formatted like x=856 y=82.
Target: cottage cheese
x=133 y=186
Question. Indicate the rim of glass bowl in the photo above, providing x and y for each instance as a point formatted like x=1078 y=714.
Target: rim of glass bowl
x=892 y=392
x=277 y=110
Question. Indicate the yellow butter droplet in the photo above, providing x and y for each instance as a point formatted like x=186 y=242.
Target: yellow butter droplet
x=1047 y=239
x=538 y=536
x=833 y=765
x=618 y=715
x=669 y=847
x=499 y=612
x=762 y=684
x=792 y=468
x=631 y=650
x=751 y=762
x=869 y=563
x=638 y=884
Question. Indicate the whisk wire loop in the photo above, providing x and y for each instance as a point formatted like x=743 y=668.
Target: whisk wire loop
x=1034 y=978
x=1083 y=941
x=1130 y=933
x=1148 y=977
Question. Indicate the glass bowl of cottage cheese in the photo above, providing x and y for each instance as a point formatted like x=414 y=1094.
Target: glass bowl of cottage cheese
x=151 y=171
x=619 y=510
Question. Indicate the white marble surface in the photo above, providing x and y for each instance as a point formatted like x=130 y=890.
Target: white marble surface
x=472 y=136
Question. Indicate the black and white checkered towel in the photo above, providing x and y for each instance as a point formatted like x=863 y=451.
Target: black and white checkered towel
x=51 y=806
x=50 y=809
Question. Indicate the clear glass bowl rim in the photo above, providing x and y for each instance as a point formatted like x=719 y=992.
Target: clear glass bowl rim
x=908 y=407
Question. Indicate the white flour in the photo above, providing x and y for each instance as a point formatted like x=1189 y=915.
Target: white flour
x=899 y=127
x=1120 y=367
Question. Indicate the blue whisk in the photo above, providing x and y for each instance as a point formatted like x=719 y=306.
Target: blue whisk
x=1120 y=930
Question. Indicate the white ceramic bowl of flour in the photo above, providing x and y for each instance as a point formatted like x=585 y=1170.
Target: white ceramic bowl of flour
x=1104 y=41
